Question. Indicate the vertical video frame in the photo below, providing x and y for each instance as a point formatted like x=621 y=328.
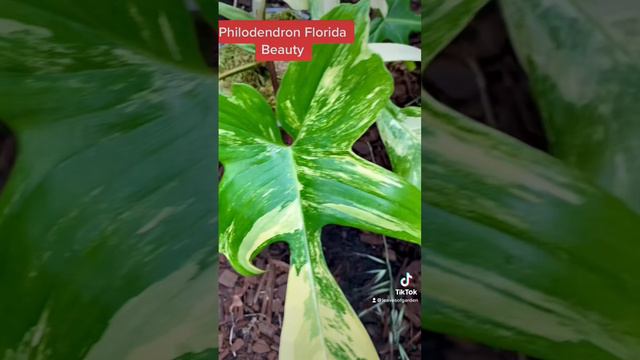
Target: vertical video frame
x=319 y=197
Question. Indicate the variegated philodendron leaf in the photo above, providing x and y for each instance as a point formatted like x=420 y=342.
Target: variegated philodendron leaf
x=271 y=192
x=400 y=132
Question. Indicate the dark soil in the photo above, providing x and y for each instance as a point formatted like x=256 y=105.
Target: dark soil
x=478 y=75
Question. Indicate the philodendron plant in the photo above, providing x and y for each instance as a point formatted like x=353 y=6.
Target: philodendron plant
x=272 y=192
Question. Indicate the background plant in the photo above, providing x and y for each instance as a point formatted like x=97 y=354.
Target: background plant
x=107 y=221
x=525 y=250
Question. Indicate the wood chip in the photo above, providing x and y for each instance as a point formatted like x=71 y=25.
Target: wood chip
x=228 y=278
x=392 y=255
x=412 y=312
x=414 y=267
x=224 y=354
x=237 y=307
x=281 y=265
x=371 y=239
x=260 y=347
x=361 y=147
x=277 y=306
x=267 y=329
x=237 y=345
x=282 y=279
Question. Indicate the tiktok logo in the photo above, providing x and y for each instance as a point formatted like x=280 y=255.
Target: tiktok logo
x=406 y=280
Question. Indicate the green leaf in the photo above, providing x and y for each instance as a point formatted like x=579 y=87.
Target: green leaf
x=442 y=20
x=400 y=132
x=293 y=191
x=258 y=8
x=523 y=252
x=298 y=4
x=399 y=23
x=318 y=8
x=396 y=52
x=585 y=88
x=380 y=5
x=233 y=13
x=107 y=222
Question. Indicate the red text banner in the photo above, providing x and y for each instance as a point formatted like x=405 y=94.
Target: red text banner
x=285 y=40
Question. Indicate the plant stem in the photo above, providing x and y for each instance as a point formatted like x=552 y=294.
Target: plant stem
x=238 y=70
x=274 y=76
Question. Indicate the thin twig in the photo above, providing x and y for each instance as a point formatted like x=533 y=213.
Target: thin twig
x=238 y=70
x=482 y=87
x=373 y=157
x=386 y=258
x=414 y=101
x=231 y=333
x=415 y=338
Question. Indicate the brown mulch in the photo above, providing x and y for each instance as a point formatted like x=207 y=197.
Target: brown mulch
x=251 y=308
